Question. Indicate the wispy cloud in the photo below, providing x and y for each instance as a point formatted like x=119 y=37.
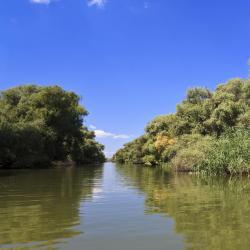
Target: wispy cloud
x=98 y=3
x=41 y=1
x=104 y=134
x=92 y=126
x=122 y=136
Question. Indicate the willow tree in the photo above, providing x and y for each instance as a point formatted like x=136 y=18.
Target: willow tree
x=39 y=125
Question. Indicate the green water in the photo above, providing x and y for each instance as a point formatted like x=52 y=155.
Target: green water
x=122 y=208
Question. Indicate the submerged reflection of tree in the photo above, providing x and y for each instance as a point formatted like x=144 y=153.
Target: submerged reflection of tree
x=210 y=213
x=43 y=205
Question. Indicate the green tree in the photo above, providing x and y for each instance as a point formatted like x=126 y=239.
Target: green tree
x=201 y=118
x=39 y=125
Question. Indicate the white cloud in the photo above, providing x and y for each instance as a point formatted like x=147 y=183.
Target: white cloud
x=103 y=134
x=41 y=1
x=98 y=3
x=121 y=136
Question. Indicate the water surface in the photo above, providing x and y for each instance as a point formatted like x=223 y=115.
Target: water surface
x=122 y=207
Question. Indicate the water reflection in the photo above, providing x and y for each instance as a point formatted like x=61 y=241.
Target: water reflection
x=208 y=213
x=41 y=207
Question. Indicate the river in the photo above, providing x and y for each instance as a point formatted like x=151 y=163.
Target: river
x=114 y=207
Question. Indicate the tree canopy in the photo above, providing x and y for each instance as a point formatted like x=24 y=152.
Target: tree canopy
x=39 y=125
x=185 y=137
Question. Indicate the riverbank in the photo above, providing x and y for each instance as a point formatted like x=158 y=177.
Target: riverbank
x=209 y=133
x=228 y=154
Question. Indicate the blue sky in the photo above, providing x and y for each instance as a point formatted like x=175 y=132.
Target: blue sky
x=129 y=60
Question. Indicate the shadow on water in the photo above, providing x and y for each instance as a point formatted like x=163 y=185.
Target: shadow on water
x=41 y=207
x=210 y=213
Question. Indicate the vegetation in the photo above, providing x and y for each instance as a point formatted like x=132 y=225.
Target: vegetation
x=39 y=125
x=230 y=153
x=209 y=132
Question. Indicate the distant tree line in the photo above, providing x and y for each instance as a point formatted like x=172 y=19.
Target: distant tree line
x=41 y=125
x=210 y=132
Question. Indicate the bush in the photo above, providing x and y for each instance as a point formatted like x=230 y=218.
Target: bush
x=191 y=151
x=39 y=125
x=229 y=154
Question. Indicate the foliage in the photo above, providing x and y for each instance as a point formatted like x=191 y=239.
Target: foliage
x=190 y=150
x=200 y=122
x=39 y=125
x=228 y=154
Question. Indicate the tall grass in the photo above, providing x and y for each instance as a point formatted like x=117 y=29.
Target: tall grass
x=228 y=154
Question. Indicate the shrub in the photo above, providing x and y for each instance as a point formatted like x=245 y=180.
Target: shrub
x=229 y=154
x=192 y=150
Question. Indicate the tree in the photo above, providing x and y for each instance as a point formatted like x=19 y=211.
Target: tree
x=202 y=118
x=39 y=125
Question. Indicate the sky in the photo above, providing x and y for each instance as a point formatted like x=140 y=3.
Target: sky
x=129 y=60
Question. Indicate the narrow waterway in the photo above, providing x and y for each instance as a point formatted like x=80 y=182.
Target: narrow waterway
x=114 y=207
